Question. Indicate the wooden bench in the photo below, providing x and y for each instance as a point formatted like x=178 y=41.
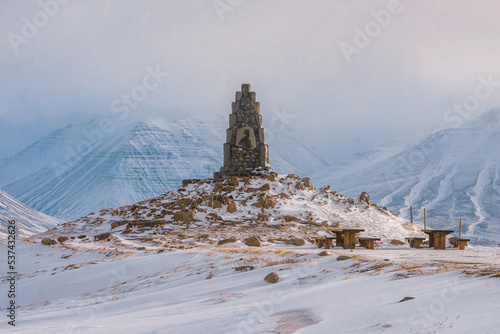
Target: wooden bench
x=415 y=242
x=326 y=242
x=459 y=243
x=368 y=242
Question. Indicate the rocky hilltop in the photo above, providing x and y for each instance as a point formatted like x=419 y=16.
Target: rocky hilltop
x=275 y=209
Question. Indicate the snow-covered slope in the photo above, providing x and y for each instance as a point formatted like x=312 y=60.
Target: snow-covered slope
x=272 y=207
x=453 y=173
x=27 y=221
x=131 y=164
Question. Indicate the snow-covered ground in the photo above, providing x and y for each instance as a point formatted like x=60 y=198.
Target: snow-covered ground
x=90 y=287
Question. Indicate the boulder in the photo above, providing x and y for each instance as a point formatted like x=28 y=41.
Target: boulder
x=118 y=224
x=307 y=182
x=324 y=253
x=101 y=237
x=364 y=198
x=272 y=278
x=290 y=218
x=405 y=299
x=295 y=242
x=48 y=241
x=232 y=208
x=226 y=241
x=184 y=216
x=292 y=176
x=62 y=239
x=396 y=242
x=233 y=181
x=83 y=236
x=253 y=242
x=343 y=258
x=265 y=187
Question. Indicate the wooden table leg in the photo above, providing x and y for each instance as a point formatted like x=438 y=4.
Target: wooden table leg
x=439 y=240
x=339 y=239
x=370 y=244
x=462 y=245
x=431 y=240
x=349 y=240
x=417 y=243
x=328 y=243
x=320 y=243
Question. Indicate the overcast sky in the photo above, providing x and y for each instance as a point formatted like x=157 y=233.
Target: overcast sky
x=419 y=61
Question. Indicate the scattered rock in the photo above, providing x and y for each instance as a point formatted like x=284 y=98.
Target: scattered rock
x=295 y=242
x=290 y=219
x=364 y=198
x=272 y=278
x=343 y=258
x=307 y=182
x=325 y=253
x=232 y=208
x=261 y=216
x=204 y=236
x=141 y=248
x=184 y=216
x=325 y=189
x=244 y=268
x=226 y=241
x=253 y=242
x=265 y=187
x=103 y=236
x=271 y=177
x=118 y=224
x=265 y=202
x=83 y=236
x=62 y=239
x=406 y=299
x=48 y=241
x=292 y=176
x=396 y=242
x=233 y=181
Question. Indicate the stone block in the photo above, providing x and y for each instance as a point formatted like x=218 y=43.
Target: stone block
x=262 y=138
x=257 y=109
x=252 y=96
x=245 y=89
x=229 y=135
x=227 y=155
x=232 y=120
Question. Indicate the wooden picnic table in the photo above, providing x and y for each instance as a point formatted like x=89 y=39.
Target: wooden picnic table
x=437 y=238
x=459 y=243
x=368 y=242
x=345 y=237
x=415 y=242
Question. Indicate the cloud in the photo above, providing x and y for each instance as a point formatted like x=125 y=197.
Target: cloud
x=92 y=52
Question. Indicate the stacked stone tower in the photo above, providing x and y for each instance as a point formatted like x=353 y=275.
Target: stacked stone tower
x=245 y=150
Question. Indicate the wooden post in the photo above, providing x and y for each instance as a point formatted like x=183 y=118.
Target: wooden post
x=425 y=221
x=411 y=214
x=460 y=229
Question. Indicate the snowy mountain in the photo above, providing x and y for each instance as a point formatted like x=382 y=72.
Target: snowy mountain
x=453 y=173
x=130 y=164
x=27 y=221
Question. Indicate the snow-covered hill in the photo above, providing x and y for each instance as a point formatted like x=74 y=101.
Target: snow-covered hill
x=271 y=207
x=27 y=221
x=134 y=163
x=453 y=173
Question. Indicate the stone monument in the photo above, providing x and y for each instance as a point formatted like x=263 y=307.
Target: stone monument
x=245 y=150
